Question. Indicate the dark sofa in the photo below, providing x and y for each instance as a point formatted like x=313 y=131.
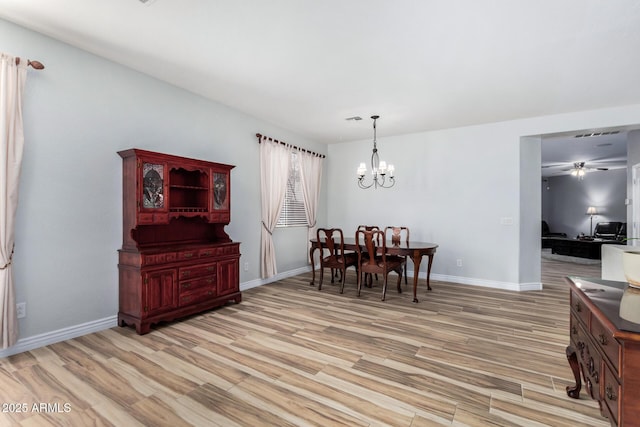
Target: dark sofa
x=547 y=233
x=613 y=230
x=546 y=243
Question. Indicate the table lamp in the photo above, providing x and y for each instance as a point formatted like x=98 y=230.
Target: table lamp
x=591 y=210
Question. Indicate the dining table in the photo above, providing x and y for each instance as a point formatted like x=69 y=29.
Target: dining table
x=415 y=250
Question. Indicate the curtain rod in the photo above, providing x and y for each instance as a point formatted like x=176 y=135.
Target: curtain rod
x=36 y=65
x=260 y=136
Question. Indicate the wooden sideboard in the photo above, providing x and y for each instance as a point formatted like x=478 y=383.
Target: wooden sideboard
x=176 y=259
x=604 y=349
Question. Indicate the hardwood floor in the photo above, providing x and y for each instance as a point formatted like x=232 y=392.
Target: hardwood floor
x=290 y=355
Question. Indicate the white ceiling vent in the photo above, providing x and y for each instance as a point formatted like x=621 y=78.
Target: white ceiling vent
x=587 y=135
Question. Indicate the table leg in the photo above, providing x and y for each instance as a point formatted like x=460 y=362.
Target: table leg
x=312 y=250
x=417 y=259
x=429 y=271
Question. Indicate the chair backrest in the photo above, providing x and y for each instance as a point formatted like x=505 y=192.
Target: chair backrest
x=622 y=231
x=545 y=228
x=368 y=227
x=332 y=240
x=397 y=234
x=371 y=243
x=607 y=229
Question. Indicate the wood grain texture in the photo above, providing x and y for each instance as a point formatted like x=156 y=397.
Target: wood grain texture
x=290 y=355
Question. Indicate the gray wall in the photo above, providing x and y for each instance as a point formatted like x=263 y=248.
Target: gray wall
x=567 y=198
x=78 y=113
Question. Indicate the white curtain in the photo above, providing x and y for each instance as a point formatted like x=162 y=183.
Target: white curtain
x=274 y=172
x=311 y=178
x=12 y=78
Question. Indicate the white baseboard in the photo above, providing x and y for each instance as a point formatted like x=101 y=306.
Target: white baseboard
x=509 y=286
x=41 y=340
x=36 y=341
x=259 y=282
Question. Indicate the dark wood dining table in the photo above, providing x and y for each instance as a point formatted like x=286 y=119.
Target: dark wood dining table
x=414 y=250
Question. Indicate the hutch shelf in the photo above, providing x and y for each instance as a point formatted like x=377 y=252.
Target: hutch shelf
x=176 y=258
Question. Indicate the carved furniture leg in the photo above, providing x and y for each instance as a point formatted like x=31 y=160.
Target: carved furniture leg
x=312 y=250
x=417 y=258
x=574 y=391
x=429 y=272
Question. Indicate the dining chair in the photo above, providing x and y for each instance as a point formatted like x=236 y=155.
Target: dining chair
x=333 y=255
x=369 y=228
x=397 y=235
x=371 y=247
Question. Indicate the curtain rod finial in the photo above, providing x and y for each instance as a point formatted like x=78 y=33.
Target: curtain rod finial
x=36 y=64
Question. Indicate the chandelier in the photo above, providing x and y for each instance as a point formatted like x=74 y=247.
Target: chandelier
x=381 y=173
x=578 y=170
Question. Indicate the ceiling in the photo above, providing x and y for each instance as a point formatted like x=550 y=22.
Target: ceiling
x=307 y=65
x=600 y=150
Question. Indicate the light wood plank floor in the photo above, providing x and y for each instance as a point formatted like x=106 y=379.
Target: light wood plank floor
x=290 y=355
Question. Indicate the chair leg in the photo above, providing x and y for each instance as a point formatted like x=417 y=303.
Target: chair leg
x=342 y=273
x=321 y=277
x=405 y=271
x=384 y=286
x=359 y=281
x=399 y=285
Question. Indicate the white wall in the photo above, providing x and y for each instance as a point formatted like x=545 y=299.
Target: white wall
x=78 y=113
x=633 y=159
x=472 y=190
x=464 y=188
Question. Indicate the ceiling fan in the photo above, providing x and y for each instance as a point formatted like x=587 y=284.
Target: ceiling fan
x=580 y=168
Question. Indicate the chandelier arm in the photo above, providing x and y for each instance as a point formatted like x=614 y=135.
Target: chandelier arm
x=361 y=185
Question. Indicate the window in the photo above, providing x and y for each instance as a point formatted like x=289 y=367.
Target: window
x=292 y=213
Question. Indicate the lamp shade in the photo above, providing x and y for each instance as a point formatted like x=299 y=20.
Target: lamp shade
x=591 y=210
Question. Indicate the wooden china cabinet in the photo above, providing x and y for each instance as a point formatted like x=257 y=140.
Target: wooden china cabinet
x=176 y=259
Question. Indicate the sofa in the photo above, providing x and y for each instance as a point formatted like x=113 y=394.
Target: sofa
x=546 y=233
x=613 y=230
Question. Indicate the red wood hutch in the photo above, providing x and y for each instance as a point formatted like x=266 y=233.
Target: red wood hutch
x=176 y=259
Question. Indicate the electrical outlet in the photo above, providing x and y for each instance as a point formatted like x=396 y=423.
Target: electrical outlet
x=21 y=309
x=459 y=262
x=246 y=266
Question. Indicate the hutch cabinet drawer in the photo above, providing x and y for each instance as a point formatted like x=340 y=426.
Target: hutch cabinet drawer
x=208 y=252
x=220 y=217
x=231 y=250
x=611 y=393
x=197 y=271
x=187 y=286
x=187 y=255
x=580 y=308
x=218 y=251
x=607 y=343
x=162 y=258
x=197 y=296
x=153 y=218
